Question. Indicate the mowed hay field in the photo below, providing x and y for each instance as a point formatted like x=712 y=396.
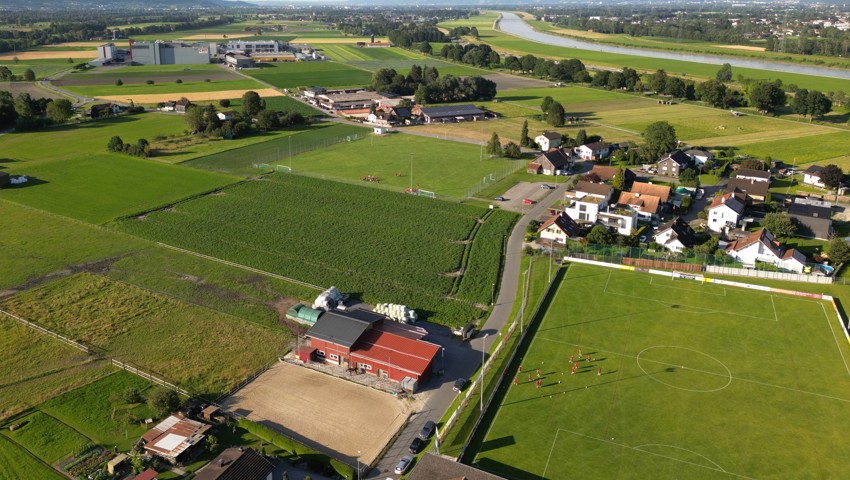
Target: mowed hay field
x=373 y=59
x=387 y=247
x=697 y=381
x=157 y=333
x=308 y=74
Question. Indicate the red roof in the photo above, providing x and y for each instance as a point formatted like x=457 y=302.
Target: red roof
x=148 y=474
x=395 y=351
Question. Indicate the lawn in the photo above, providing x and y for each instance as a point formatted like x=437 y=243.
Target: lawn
x=414 y=243
x=47 y=438
x=144 y=328
x=16 y=462
x=307 y=74
x=401 y=60
x=96 y=411
x=683 y=366
x=442 y=166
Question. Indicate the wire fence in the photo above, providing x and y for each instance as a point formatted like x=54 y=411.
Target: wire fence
x=494 y=177
x=299 y=146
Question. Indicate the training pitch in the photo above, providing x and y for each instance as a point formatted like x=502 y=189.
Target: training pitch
x=698 y=380
x=335 y=417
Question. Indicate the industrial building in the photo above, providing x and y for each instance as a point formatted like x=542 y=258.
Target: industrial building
x=237 y=61
x=171 y=53
x=254 y=46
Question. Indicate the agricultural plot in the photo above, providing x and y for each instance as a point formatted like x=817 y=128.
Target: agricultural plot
x=47 y=438
x=683 y=366
x=307 y=74
x=139 y=74
x=162 y=88
x=41 y=68
x=483 y=263
x=387 y=247
x=445 y=167
x=16 y=462
x=142 y=328
x=31 y=88
x=373 y=59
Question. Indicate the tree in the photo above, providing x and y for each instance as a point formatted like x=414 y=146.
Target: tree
x=59 y=111
x=711 y=92
x=119 y=82
x=512 y=63
x=149 y=82
x=426 y=48
x=838 y=250
x=753 y=164
x=818 y=104
x=212 y=443
x=555 y=114
x=512 y=150
x=163 y=401
x=725 y=73
x=527 y=62
x=779 y=224
x=115 y=144
x=268 y=120
x=766 y=96
x=581 y=137
x=546 y=103
x=658 y=81
x=523 y=136
x=224 y=103
x=619 y=180
x=800 y=104
x=689 y=178
x=494 y=146
x=600 y=235
x=195 y=118
x=29 y=75
x=252 y=104
x=659 y=138
x=832 y=176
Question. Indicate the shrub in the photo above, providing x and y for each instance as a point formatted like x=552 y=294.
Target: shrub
x=178 y=81
x=224 y=102
x=119 y=82
x=149 y=82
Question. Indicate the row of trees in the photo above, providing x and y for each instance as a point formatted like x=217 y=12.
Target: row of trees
x=565 y=70
x=24 y=112
x=204 y=119
x=480 y=55
x=428 y=87
x=6 y=75
x=495 y=149
x=389 y=80
x=142 y=148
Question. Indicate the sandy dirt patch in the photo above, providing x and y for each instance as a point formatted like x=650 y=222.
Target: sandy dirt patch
x=743 y=47
x=329 y=414
x=8 y=56
x=193 y=96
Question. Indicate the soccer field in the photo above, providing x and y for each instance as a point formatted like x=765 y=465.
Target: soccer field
x=697 y=380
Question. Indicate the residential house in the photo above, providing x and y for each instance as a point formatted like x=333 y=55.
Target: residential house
x=586 y=208
x=436 y=467
x=647 y=207
x=225 y=116
x=660 y=191
x=754 y=175
x=403 y=114
x=762 y=246
x=450 y=113
x=182 y=105
x=583 y=188
x=104 y=110
x=699 y=157
x=814 y=176
x=167 y=106
x=382 y=118
x=236 y=463
x=813 y=218
x=174 y=437
x=673 y=163
x=757 y=191
x=624 y=220
x=548 y=140
x=607 y=174
x=726 y=211
x=675 y=235
x=553 y=162
x=559 y=228
x=593 y=151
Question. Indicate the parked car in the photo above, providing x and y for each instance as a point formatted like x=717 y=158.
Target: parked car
x=528 y=201
x=465 y=332
x=403 y=464
x=460 y=383
x=427 y=430
x=416 y=445
x=546 y=186
x=500 y=199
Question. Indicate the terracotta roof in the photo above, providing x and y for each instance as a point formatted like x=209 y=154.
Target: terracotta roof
x=593 y=188
x=735 y=201
x=753 y=188
x=236 y=464
x=174 y=435
x=564 y=222
x=641 y=202
x=762 y=235
x=396 y=351
x=660 y=191
x=148 y=474
x=606 y=174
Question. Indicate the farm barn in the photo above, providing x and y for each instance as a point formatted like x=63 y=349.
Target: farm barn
x=368 y=342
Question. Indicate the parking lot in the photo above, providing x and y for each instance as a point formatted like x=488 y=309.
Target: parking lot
x=516 y=195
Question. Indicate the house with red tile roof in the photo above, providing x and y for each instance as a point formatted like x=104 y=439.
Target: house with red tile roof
x=559 y=228
x=762 y=246
x=174 y=437
x=726 y=211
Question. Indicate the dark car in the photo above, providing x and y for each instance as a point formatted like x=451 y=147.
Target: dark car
x=500 y=199
x=416 y=445
x=427 y=430
x=460 y=384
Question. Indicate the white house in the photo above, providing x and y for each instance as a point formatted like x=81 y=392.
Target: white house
x=586 y=208
x=593 y=151
x=726 y=211
x=559 y=228
x=547 y=140
x=813 y=176
x=762 y=246
x=699 y=157
x=623 y=219
x=675 y=235
x=584 y=188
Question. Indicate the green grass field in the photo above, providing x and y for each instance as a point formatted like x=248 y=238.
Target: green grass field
x=401 y=60
x=16 y=462
x=150 y=71
x=414 y=243
x=141 y=327
x=48 y=438
x=308 y=74
x=163 y=88
x=698 y=381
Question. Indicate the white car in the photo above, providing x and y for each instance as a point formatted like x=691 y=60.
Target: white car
x=403 y=464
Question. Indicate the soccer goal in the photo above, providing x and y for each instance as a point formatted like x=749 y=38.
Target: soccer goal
x=687 y=276
x=426 y=193
x=283 y=168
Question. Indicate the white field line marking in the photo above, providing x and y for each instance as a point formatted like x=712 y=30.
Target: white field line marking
x=829 y=324
x=773 y=304
x=683 y=449
x=756 y=382
x=543 y=476
x=687 y=289
x=637 y=449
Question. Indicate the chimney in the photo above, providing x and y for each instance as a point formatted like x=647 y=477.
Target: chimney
x=723 y=199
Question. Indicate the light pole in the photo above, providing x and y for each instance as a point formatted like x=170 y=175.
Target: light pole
x=358 y=464
x=411 y=171
x=483 y=350
x=442 y=360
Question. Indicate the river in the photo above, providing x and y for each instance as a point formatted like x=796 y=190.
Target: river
x=514 y=25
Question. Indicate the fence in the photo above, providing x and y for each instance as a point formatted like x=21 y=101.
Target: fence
x=792 y=277
x=495 y=177
x=241 y=384
x=48 y=332
x=303 y=146
x=150 y=377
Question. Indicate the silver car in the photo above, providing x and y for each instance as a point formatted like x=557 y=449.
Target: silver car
x=403 y=464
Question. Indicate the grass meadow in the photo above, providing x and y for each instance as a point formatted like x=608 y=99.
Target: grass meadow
x=414 y=243
x=141 y=327
x=697 y=380
x=163 y=88
x=308 y=74
x=48 y=438
x=401 y=60
x=15 y=462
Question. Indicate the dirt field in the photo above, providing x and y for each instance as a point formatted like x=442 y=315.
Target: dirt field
x=743 y=47
x=508 y=82
x=28 y=87
x=8 y=56
x=329 y=414
x=193 y=96
x=93 y=78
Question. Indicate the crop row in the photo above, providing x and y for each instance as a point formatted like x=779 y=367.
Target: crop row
x=485 y=258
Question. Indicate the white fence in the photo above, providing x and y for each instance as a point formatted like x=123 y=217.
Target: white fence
x=747 y=272
x=48 y=332
x=151 y=378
